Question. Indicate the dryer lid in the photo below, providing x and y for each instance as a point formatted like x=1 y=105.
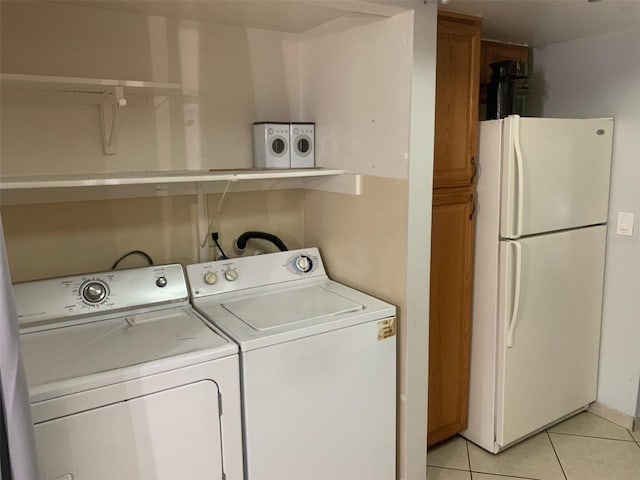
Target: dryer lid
x=280 y=309
x=143 y=343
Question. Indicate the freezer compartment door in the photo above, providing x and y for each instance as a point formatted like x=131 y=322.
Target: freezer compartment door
x=555 y=174
x=549 y=328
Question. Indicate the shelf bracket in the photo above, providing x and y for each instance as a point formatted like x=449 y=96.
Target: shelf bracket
x=112 y=101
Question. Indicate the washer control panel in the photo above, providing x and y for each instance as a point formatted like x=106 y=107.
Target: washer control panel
x=96 y=293
x=254 y=271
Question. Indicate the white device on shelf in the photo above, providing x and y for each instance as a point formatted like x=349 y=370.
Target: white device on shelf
x=271 y=145
x=318 y=366
x=302 y=145
x=126 y=380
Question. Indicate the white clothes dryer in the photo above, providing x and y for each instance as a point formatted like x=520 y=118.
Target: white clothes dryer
x=318 y=366
x=127 y=381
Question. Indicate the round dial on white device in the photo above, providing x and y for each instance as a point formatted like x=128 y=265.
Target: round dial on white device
x=94 y=291
x=303 y=264
x=210 y=278
x=231 y=275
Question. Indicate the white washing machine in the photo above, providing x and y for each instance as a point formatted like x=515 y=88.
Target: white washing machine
x=127 y=381
x=271 y=145
x=302 y=145
x=318 y=366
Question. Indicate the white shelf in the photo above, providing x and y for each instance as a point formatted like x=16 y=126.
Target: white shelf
x=157 y=177
x=33 y=189
x=83 y=85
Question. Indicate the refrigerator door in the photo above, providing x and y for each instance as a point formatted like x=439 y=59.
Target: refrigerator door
x=549 y=328
x=555 y=174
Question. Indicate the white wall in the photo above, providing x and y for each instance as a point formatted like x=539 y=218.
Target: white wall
x=600 y=76
x=358 y=79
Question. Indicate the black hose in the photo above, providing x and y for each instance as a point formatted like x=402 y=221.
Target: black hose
x=133 y=252
x=241 y=241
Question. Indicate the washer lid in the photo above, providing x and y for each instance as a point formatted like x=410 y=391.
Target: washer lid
x=275 y=314
x=109 y=351
x=289 y=307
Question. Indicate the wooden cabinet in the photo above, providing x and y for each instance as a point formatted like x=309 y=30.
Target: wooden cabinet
x=450 y=312
x=457 y=81
x=492 y=52
x=457 y=71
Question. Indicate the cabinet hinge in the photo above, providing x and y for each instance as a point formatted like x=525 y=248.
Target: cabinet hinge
x=220 y=405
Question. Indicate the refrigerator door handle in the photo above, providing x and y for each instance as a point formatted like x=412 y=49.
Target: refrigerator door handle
x=516 y=295
x=519 y=166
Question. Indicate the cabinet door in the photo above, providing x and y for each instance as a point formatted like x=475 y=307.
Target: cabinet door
x=450 y=313
x=457 y=74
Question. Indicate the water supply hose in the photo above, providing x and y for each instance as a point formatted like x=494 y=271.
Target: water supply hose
x=241 y=241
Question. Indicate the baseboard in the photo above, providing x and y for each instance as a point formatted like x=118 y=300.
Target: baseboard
x=615 y=416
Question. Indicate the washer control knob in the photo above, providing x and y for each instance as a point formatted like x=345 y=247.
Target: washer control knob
x=210 y=278
x=303 y=264
x=231 y=275
x=94 y=292
x=161 y=282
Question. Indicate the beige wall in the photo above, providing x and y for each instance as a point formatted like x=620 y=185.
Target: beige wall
x=63 y=239
x=230 y=76
x=362 y=238
x=353 y=79
x=60 y=239
x=279 y=212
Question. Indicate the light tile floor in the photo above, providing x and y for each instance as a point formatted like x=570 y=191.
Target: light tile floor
x=584 y=447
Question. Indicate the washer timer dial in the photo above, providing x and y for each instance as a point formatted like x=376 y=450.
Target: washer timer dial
x=231 y=275
x=210 y=278
x=303 y=264
x=94 y=291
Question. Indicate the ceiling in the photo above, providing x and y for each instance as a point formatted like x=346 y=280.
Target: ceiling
x=531 y=22
x=295 y=16
x=541 y=22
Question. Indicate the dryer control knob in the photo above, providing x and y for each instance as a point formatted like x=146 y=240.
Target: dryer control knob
x=94 y=292
x=303 y=264
x=161 y=282
x=231 y=275
x=210 y=278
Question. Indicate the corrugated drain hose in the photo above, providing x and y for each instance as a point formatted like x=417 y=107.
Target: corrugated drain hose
x=241 y=241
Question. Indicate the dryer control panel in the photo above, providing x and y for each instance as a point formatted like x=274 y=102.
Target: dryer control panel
x=61 y=298
x=235 y=274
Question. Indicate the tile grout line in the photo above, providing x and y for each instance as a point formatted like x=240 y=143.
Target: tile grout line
x=471 y=471
x=593 y=436
x=466 y=443
x=503 y=475
x=637 y=440
x=556 y=454
x=449 y=468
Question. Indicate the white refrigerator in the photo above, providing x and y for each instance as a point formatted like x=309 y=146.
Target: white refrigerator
x=543 y=194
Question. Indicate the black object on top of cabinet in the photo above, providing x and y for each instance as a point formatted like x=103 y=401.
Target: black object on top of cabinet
x=506 y=89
